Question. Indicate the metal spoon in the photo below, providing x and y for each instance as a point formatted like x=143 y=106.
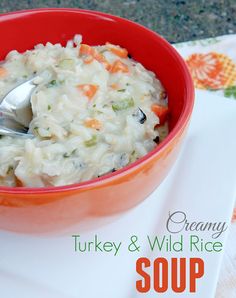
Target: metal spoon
x=15 y=110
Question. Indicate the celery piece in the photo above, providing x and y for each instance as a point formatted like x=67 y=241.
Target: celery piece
x=52 y=83
x=91 y=142
x=123 y=104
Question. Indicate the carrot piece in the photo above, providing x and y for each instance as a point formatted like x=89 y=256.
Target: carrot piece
x=114 y=86
x=3 y=72
x=90 y=51
x=116 y=50
x=122 y=53
x=88 y=89
x=86 y=50
x=93 y=123
x=100 y=58
x=161 y=112
x=119 y=66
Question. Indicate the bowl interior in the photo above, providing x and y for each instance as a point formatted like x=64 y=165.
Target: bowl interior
x=23 y=30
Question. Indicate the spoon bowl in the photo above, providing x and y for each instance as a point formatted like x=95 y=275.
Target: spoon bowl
x=16 y=111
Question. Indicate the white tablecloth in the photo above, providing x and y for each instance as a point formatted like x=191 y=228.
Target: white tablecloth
x=202 y=184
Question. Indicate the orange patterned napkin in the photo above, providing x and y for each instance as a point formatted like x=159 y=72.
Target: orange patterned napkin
x=212 y=63
x=212 y=70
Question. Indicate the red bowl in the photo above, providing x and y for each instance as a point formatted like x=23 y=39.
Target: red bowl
x=44 y=209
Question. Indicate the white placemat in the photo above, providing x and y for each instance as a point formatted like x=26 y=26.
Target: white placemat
x=227 y=281
x=201 y=184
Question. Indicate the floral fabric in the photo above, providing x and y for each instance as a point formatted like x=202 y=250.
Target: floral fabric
x=212 y=64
